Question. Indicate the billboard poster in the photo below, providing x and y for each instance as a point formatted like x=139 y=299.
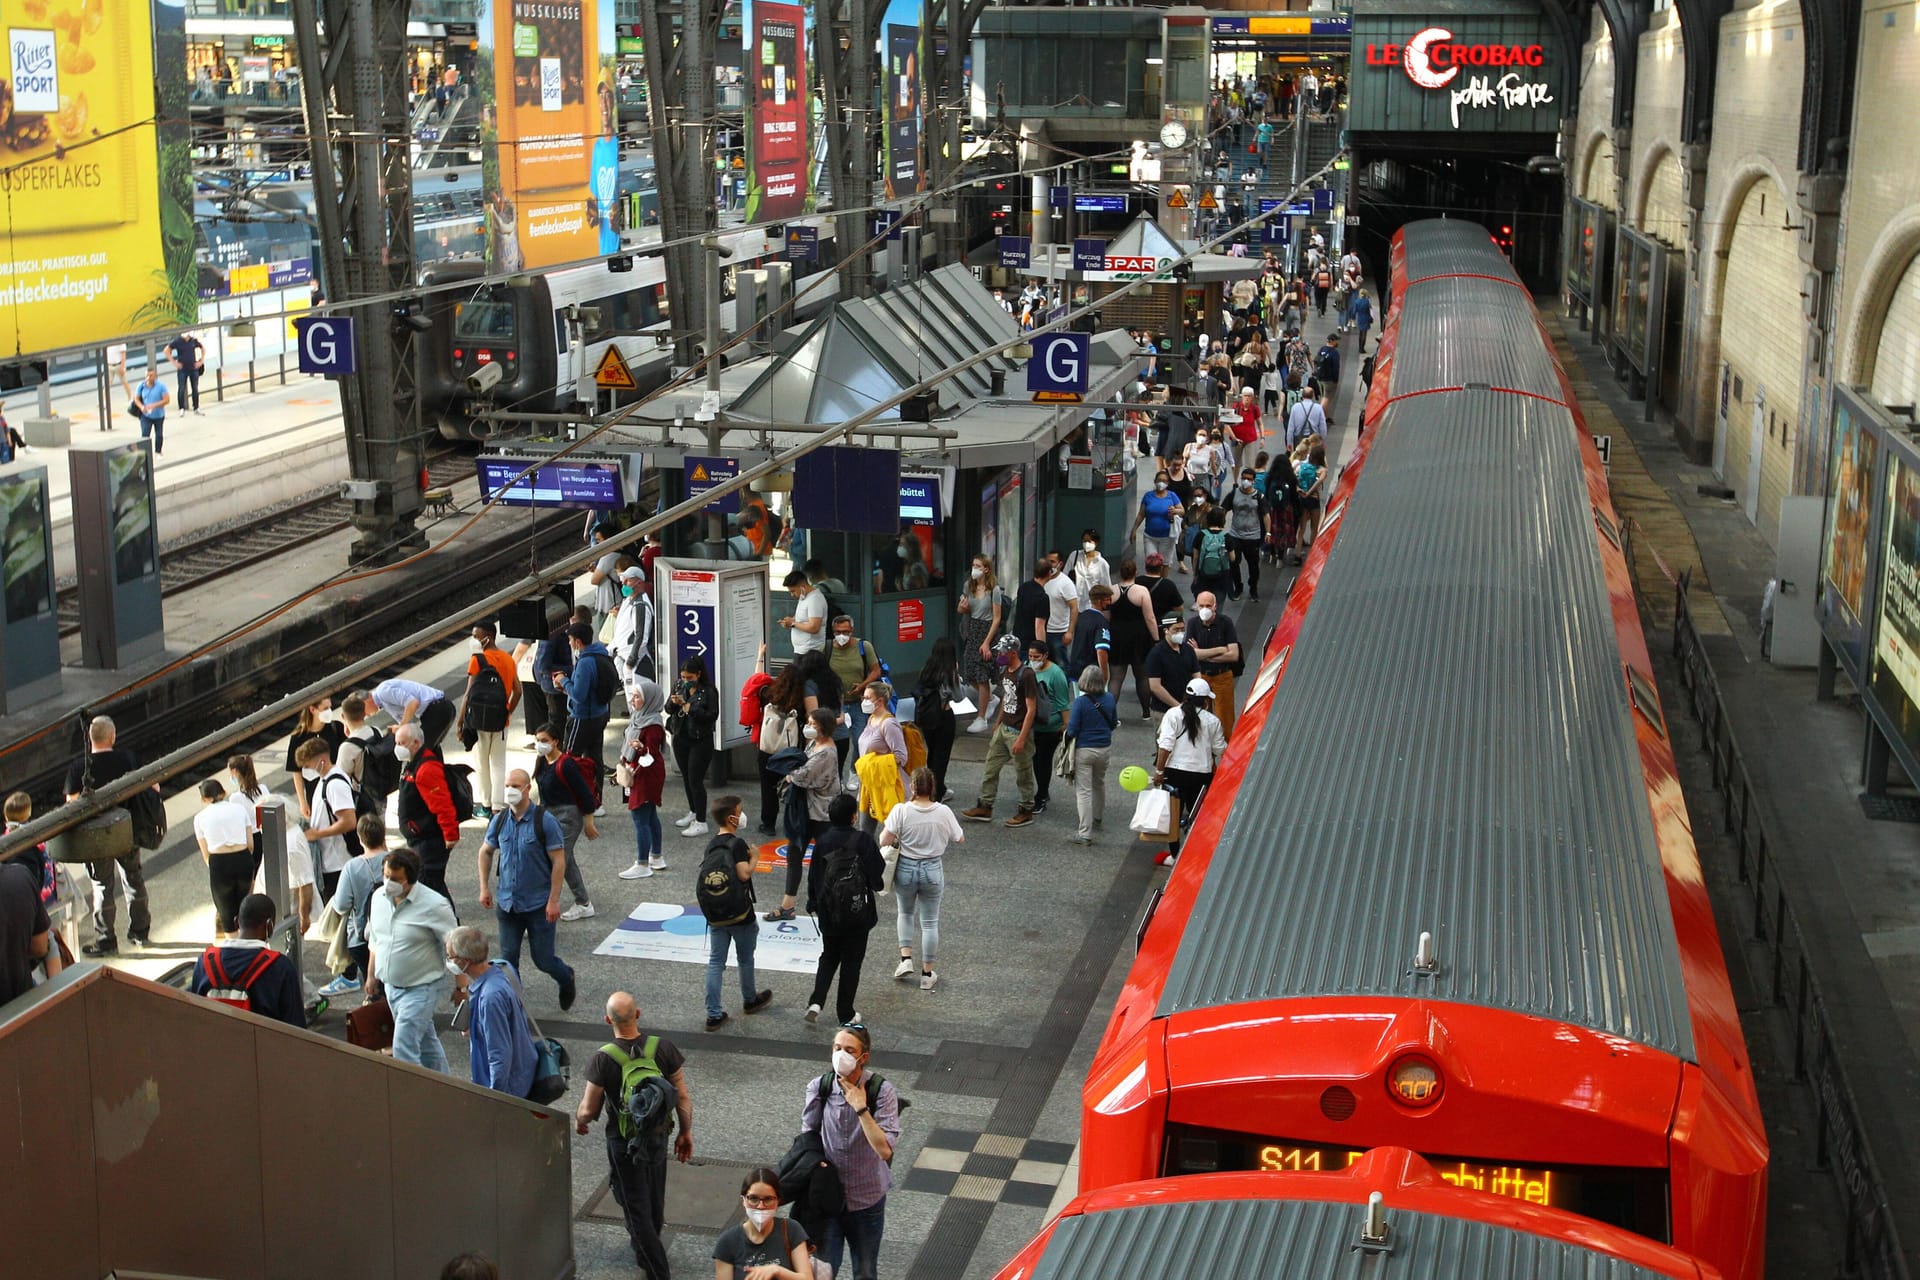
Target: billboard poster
x=903 y=57
x=130 y=486
x=549 y=162
x=96 y=230
x=23 y=541
x=1849 y=512
x=1895 y=683
x=774 y=57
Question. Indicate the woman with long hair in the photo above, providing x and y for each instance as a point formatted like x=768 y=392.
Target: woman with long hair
x=316 y=720
x=933 y=694
x=823 y=691
x=980 y=610
x=1187 y=750
x=819 y=777
x=246 y=786
x=763 y=1245
x=842 y=858
x=921 y=828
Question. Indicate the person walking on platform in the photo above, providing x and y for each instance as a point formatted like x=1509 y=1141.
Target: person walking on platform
x=406 y=955
x=1133 y=629
x=353 y=901
x=552 y=664
x=188 y=355
x=1216 y=647
x=410 y=702
x=920 y=828
x=1050 y=725
x=589 y=696
x=1090 y=729
x=500 y=1054
x=637 y=1161
x=106 y=763
x=246 y=972
x=486 y=712
x=1187 y=750
x=846 y=871
x=644 y=756
x=427 y=815
x=525 y=886
x=1012 y=739
x=149 y=400
x=1246 y=532
x=572 y=795
x=857 y=1115
x=1362 y=316
x=819 y=777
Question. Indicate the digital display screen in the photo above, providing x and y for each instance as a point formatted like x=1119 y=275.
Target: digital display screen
x=919 y=500
x=130 y=489
x=23 y=524
x=1100 y=204
x=562 y=484
x=1633 y=1198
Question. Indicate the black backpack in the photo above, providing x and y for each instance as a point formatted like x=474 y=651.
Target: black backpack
x=379 y=767
x=724 y=898
x=460 y=787
x=149 y=818
x=604 y=680
x=487 y=701
x=846 y=903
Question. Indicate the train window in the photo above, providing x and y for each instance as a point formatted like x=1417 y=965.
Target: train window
x=473 y=320
x=1646 y=700
x=1627 y=1197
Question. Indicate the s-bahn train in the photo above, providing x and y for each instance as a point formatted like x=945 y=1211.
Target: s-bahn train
x=1328 y=1224
x=550 y=332
x=1442 y=893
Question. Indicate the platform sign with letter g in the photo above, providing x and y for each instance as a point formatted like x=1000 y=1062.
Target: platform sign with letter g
x=326 y=345
x=1060 y=366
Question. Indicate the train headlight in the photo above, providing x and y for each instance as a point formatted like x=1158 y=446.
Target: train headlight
x=1414 y=1081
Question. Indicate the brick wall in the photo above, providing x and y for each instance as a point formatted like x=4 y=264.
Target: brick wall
x=1761 y=340
x=1593 y=174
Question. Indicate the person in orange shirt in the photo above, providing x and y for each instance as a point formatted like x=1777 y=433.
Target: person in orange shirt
x=488 y=716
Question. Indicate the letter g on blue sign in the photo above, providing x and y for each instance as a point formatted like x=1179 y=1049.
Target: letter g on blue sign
x=326 y=345
x=1060 y=363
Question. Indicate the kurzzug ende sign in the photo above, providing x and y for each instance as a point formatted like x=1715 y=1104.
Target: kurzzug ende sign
x=1467 y=72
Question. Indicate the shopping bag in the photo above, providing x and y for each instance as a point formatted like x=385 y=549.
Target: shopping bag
x=1153 y=814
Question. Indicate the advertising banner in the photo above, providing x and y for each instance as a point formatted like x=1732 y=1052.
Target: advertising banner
x=903 y=57
x=96 y=230
x=1457 y=72
x=1849 y=512
x=549 y=162
x=774 y=57
x=1895 y=683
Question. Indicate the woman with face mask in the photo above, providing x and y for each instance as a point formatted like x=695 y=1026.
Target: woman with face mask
x=1088 y=567
x=843 y=877
x=316 y=720
x=982 y=605
x=765 y=1246
x=819 y=778
x=881 y=736
x=643 y=760
x=857 y=1115
x=1187 y=750
x=1160 y=511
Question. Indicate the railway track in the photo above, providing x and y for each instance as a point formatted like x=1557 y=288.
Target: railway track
x=204 y=557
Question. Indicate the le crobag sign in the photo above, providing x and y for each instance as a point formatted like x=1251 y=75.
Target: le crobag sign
x=1473 y=75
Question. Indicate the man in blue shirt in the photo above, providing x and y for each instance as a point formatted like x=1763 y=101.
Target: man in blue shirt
x=501 y=1043
x=151 y=400
x=593 y=674
x=524 y=889
x=410 y=702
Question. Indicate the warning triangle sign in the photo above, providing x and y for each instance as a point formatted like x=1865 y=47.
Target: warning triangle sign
x=1206 y=199
x=699 y=475
x=1178 y=200
x=613 y=374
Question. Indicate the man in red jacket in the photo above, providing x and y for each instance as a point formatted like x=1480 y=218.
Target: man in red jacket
x=427 y=813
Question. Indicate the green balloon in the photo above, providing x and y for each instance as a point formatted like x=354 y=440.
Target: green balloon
x=1134 y=778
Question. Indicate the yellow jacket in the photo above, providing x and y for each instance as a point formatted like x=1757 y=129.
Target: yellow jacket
x=880 y=787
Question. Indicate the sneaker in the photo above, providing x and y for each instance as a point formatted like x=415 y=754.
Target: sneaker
x=993 y=709
x=601 y=812
x=638 y=871
x=684 y=819
x=483 y=812
x=656 y=864
x=1039 y=806
x=340 y=986
x=1021 y=817
x=979 y=813
x=854 y=1021
x=812 y=1014
x=139 y=939
x=1080 y=839
x=1165 y=858
x=578 y=911
x=1146 y=717
x=905 y=969
x=948 y=797
x=759 y=1002
x=928 y=979
x=714 y=1024
x=104 y=947
x=1253 y=599
x=979 y=725
x=694 y=829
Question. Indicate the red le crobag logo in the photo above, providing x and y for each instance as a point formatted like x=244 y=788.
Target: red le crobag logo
x=1423 y=56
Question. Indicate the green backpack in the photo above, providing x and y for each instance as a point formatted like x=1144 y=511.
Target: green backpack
x=1213 y=553
x=646 y=1101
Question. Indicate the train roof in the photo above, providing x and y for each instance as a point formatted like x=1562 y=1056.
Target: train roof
x=1205 y=1239
x=1458 y=331
x=1452 y=246
x=1450 y=750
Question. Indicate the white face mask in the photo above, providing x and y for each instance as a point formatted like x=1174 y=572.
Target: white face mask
x=868 y=705
x=473 y=645
x=1160 y=485
x=1036 y=663
x=455 y=967
x=978 y=572
x=311 y=775
x=809 y=732
x=545 y=748
x=1246 y=486
x=645 y=761
x=402 y=752
x=1206 y=613
x=759 y=1218
x=394 y=889
x=1089 y=547
x=844 y=1063
x=843 y=641
x=515 y=795
x=1176 y=638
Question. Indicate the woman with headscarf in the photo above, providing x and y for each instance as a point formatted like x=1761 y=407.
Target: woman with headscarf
x=643 y=768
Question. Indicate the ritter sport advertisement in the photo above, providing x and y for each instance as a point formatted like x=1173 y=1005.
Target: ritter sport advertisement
x=774 y=49
x=96 y=228
x=548 y=156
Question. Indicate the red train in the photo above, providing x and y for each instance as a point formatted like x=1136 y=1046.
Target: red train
x=1388 y=1215
x=1443 y=894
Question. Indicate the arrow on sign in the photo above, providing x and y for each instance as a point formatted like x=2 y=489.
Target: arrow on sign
x=699 y=647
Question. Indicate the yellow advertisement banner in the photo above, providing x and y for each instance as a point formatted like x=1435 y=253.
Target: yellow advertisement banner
x=95 y=229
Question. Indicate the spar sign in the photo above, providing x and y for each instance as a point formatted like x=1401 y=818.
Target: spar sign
x=1120 y=264
x=1491 y=72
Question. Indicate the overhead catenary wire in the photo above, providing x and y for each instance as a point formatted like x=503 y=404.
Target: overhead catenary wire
x=110 y=795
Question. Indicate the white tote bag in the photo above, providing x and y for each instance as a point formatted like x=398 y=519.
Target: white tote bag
x=1153 y=812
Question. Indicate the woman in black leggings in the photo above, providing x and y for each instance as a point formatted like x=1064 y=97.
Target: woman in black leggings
x=694 y=711
x=224 y=832
x=819 y=777
x=1132 y=633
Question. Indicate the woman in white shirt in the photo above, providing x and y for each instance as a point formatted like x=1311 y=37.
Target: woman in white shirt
x=1088 y=567
x=223 y=828
x=1189 y=747
x=921 y=828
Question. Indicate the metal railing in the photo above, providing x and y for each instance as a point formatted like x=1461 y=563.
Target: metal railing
x=1840 y=1138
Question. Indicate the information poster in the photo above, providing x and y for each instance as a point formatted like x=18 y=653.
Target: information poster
x=549 y=163
x=96 y=228
x=23 y=524
x=903 y=56
x=1849 y=512
x=775 y=59
x=1895 y=683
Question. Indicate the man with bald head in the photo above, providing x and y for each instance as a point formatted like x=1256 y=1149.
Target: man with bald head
x=637 y=1160
x=1216 y=646
x=524 y=887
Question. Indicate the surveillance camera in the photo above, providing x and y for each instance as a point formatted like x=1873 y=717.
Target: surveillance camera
x=485 y=379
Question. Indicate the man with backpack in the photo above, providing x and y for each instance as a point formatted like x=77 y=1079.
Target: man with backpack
x=1326 y=365
x=501 y=1054
x=724 y=891
x=1305 y=419
x=624 y=1082
x=430 y=814
x=524 y=890
x=1212 y=555
x=571 y=793
x=589 y=696
x=486 y=709
x=246 y=973
x=333 y=811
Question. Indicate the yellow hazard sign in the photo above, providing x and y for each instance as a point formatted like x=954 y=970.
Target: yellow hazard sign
x=1178 y=200
x=1206 y=199
x=613 y=374
x=699 y=475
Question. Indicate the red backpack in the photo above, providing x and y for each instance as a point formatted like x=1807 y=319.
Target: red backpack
x=589 y=802
x=227 y=990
